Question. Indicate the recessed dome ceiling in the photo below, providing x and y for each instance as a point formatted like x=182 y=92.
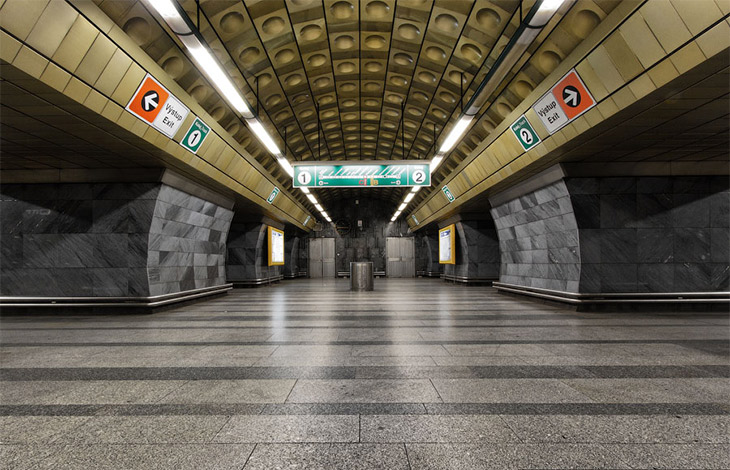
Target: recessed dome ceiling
x=367 y=64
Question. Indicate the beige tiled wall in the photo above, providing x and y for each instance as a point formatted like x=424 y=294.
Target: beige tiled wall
x=648 y=48
x=94 y=63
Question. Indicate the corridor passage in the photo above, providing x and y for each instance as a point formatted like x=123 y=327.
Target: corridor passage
x=419 y=374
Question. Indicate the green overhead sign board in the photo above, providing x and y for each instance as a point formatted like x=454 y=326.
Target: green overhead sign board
x=525 y=134
x=361 y=174
x=195 y=136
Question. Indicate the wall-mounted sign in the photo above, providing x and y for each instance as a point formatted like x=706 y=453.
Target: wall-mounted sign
x=361 y=174
x=448 y=194
x=156 y=106
x=447 y=245
x=272 y=196
x=564 y=102
x=276 y=246
x=195 y=136
x=413 y=216
x=526 y=135
x=306 y=221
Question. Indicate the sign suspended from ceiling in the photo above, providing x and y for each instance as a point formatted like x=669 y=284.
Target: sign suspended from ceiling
x=361 y=174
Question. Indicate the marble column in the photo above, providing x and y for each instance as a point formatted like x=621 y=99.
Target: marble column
x=477 y=252
x=109 y=240
x=653 y=234
x=247 y=256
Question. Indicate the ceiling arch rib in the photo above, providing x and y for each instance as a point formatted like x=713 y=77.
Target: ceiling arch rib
x=360 y=62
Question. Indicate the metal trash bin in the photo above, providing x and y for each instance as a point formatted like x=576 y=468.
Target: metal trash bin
x=361 y=275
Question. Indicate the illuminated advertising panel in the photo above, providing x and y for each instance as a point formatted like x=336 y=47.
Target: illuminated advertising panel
x=276 y=247
x=447 y=245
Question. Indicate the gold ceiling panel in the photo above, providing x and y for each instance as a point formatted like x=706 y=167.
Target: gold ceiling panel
x=367 y=79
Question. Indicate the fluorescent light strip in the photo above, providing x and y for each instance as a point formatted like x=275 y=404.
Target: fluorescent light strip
x=258 y=129
x=409 y=198
x=456 y=132
x=435 y=162
x=208 y=65
x=312 y=199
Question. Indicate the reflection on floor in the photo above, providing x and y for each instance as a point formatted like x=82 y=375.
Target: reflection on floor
x=418 y=374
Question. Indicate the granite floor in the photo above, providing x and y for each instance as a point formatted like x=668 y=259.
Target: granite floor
x=419 y=374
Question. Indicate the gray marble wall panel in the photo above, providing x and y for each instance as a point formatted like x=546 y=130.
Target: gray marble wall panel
x=295 y=260
x=426 y=252
x=187 y=242
x=653 y=234
x=629 y=234
x=539 y=240
x=247 y=253
x=366 y=243
x=62 y=240
x=84 y=239
x=477 y=251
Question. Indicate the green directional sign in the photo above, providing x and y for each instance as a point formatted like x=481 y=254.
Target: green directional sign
x=525 y=134
x=361 y=174
x=195 y=136
x=447 y=193
x=272 y=196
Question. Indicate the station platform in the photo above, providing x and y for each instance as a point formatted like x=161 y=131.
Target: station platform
x=418 y=374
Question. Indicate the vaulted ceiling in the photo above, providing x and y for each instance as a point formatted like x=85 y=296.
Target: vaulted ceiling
x=359 y=80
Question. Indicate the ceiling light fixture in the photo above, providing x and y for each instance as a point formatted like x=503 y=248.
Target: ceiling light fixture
x=456 y=132
x=528 y=29
x=190 y=37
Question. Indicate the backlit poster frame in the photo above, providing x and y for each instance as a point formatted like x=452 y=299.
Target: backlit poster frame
x=275 y=238
x=447 y=241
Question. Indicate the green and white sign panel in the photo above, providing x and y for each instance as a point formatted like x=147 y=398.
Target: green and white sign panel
x=447 y=193
x=526 y=135
x=361 y=174
x=272 y=196
x=195 y=136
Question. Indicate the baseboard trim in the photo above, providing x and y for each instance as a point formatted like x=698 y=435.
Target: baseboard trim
x=429 y=273
x=147 y=302
x=575 y=298
x=256 y=282
x=467 y=280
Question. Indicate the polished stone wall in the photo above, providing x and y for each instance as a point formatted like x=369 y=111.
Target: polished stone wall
x=366 y=243
x=187 y=242
x=247 y=255
x=427 y=255
x=616 y=235
x=477 y=251
x=653 y=234
x=117 y=239
x=293 y=246
x=538 y=239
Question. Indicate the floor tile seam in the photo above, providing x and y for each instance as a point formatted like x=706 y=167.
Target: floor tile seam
x=408 y=459
x=288 y=395
x=353 y=372
x=346 y=327
x=436 y=390
x=216 y=433
x=172 y=390
x=508 y=426
x=132 y=344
